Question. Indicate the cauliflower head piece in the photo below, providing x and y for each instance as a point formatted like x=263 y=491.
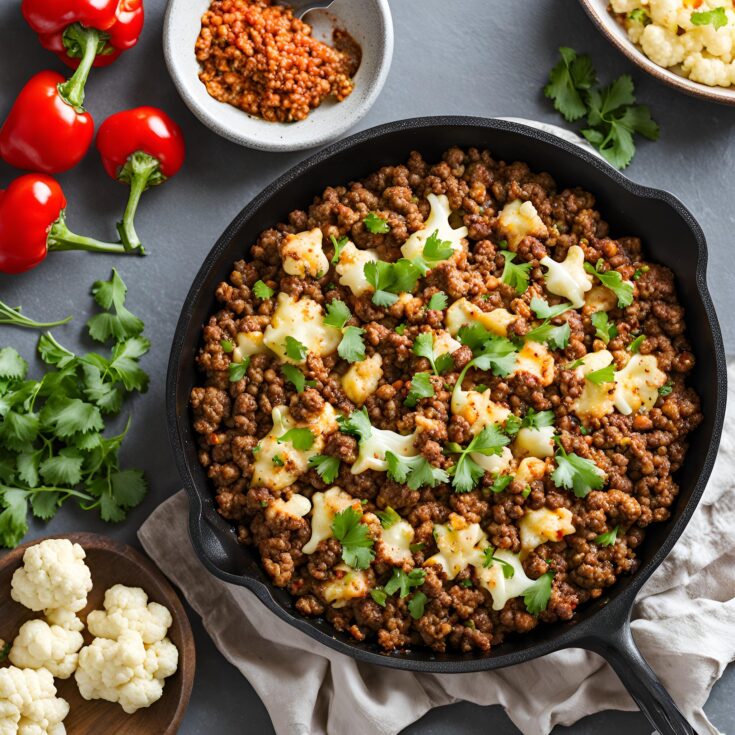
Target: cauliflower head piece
x=125 y=670
x=126 y=609
x=39 y=645
x=28 y=703
x=53 y=576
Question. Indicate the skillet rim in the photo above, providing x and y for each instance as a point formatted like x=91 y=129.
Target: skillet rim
x=611 y=616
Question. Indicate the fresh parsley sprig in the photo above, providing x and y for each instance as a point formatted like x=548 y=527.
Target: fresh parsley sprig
x=352 y=345
x=357 y=545
x=612 y=115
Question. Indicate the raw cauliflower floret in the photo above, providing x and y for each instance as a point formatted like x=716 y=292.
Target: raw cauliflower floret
x=53 y=576
x=662 y=46
x=665 y=13
x=126 y=670
x=28 y=703
x=712 y=72
x=39 y=645
x=127 y=608
x=624 y=6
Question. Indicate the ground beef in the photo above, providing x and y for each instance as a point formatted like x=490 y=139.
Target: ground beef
x=257 y=56
x=639 y=453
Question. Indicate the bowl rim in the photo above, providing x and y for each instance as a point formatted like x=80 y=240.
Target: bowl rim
x=617 y=610
x=603 y=19
x=321 y=135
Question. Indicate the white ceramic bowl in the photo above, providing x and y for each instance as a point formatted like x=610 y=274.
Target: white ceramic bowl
x=369 y=22
x=606 y=22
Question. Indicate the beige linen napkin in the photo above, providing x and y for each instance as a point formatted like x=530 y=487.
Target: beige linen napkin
x=684 y=624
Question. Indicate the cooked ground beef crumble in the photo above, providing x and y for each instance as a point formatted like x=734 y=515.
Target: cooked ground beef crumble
x=637 y=451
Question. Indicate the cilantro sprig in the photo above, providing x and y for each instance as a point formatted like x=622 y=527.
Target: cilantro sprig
x=421 y=387
x=52 y=430
x=403 y=583
x=415 y=472
x=515 y=274
x=608 y=538
x=13 y=316
x=536 y=597
x=604 y=328
x=612 y=115
x=576 y=473
x=326 y=466
x=603 y=375
x=717 y=18
x=357 y=545
x=490 y=559
x=352 y=345
x=423 y=346
x=614 y=281
x=466 y=473
x=376 y=224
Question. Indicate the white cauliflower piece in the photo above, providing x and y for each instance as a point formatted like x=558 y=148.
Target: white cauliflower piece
x=125 y=670
x=533 y=442
x=28 y=703
x=624 y=6
x=302 y=254
x=518 y=220
x=542 y=525
x=637 y=384
x=712 y=72
x=665 y=13
x=351 y=268
x=65 y=619
x=325 y=506
x=127 y=608
x=53 y=575
x=362 y=378
x=568 y=278
x=437 y=221
x=662 y=46
x=39 y=645
x=348 y=584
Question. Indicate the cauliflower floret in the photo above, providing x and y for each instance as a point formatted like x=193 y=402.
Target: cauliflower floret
x=372 y=450
x=362 y=378
x=665 y=13
x=125 y=670
x=325 y=506
x=65 y=619
x=40 y=645
x=351 y=268
x=437 y=221
x=127 y=608
x=712 y=72
x=624 y=6
x=519 y=219
x=302 y=254
x=53 y=575
x=662 y=46
x=28 y=703
x=568 y=278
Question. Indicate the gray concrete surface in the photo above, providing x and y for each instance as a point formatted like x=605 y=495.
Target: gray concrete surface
x=480 y=57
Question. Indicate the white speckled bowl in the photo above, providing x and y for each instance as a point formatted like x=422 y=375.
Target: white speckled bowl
x=369 y=22
x=616 y=34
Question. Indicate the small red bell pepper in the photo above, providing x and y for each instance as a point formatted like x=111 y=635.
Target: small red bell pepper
x=61 y=24
x=141 y=147
x=33 y=223
x=44 y=131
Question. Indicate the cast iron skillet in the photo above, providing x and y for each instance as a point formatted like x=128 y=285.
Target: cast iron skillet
x=670 y=235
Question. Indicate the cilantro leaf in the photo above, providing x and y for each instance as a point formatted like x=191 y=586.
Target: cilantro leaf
x=635 y=345
x=12 y=365
x=490 y=559
x=434 y=251
x=65 y=468
x=326 y=467
x=666 y=389
x=608 y=538
x=417 y=604
x=557 y=337
x=390 y=279
x=17 y=430
x=357 y=546
x=614 y=281
x=466 y=473
x=423 y=346
x=121 y=324
x=421 y=387
x=639 y=15
x=14 y=517
x=376 y=224
x=262 y=290
x=603 y=375
x=295 y=350
x=388 y=518
x=403 y=583
x=338 y=247
x=568 y=79
x=301 y=439
x=352 y=346
x=379 y=596
x=357 y=423
x=238 y=370
x=717 y=18
x=501 y=483
x=576 y=473
x=415 y=472
x=536 y=597
x=338 y=314
x=438 y=301
x=604 y=328
x=540 y=420
x=66 y=417
x=515 y=275
x=540 y=307
x=294 y=376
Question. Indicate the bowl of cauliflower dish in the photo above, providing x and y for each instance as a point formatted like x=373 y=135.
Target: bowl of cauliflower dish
x=82 y=647
x=688 y=44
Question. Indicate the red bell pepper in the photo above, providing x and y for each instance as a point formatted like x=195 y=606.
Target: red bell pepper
x=141 y=147
x=44 y=130
x=33 y=222
x=61 y=25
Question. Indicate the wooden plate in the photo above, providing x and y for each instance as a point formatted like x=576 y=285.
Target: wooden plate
x=111 y=563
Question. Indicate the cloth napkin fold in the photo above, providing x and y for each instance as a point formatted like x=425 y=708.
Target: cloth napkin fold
x=684 y=620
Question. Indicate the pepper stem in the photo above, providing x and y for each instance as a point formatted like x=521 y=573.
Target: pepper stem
x=60 y=238
x=140 y=172
x=89 y=42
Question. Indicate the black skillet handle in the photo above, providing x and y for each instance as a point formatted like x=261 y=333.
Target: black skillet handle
x=618 y=648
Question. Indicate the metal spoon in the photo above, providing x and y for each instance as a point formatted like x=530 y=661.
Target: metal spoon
x=302 y=7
